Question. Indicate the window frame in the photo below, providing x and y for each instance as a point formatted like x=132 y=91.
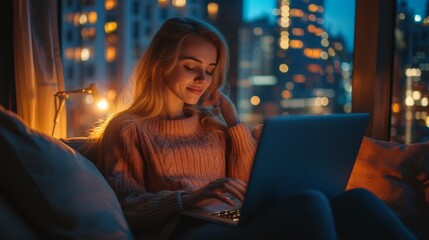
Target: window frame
x=373 y=64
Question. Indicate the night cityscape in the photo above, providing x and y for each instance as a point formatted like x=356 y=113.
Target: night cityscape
x=292 y=65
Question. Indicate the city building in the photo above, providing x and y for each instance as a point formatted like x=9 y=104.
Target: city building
x=410 y=100
x=295 y=67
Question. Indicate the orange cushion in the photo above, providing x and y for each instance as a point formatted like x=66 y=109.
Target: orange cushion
x=398 y=174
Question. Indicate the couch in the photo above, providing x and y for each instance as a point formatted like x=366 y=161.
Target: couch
x=51 y=190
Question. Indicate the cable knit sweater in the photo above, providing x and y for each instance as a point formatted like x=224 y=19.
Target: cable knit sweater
x=150 y=163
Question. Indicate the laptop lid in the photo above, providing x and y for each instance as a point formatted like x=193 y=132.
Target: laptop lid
x=295 y=153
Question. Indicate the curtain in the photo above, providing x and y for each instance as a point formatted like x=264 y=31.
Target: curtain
x=38 y=70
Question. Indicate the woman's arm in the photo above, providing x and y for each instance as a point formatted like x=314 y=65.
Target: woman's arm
x=122 y=163
x=223 y=105
x=242 y=144
x=144 y=209
x=242 y=147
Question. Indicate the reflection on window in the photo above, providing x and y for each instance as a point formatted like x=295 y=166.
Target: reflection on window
x=410 y=98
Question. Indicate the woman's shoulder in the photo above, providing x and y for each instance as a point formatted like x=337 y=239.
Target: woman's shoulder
x=126 y=121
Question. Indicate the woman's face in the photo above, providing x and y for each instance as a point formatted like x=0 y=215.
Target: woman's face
x=192 y=74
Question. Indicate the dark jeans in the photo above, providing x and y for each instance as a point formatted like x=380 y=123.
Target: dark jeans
x=355 y=214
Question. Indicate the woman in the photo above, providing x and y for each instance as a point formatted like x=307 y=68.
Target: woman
x=179 y=143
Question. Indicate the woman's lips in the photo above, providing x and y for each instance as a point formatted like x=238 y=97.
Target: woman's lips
x=196 y=91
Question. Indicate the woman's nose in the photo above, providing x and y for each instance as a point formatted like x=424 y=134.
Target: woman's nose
x=201 y=76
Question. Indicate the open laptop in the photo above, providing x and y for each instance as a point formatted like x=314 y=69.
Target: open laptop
x=295 y=153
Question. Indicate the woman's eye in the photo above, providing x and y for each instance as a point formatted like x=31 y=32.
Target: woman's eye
x=192 y=69
x=196 y=69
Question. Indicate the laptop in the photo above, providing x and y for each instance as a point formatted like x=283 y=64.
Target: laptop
x=294 y=153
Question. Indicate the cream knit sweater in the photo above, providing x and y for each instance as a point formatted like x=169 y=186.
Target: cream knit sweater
x=150 y=163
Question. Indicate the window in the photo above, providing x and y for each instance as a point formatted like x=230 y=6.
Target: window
x=87 y=2
x=69 y=35
x=288 y=57
x=410 y=96
x=136 y=7
x=148 y=31
x=89 y=71
x=70 y=3
x=301 y=61
x=148 y=12
x=163 y=13
x=136 y=30
x=87 y=33
x=70 y=73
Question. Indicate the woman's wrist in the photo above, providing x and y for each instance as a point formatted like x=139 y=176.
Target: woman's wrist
x=184 y=200
x=232 y=122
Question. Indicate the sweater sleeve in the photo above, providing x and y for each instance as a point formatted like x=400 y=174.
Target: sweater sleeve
x=242 y=150
x=123 y=166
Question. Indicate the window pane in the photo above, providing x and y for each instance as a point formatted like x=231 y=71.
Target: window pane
x=295 y=58
x=410 y=114
x=287 y=56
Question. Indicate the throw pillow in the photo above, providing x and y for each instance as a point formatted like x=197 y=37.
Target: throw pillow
x=54 y=189
x=84 y=145
x=11 y=225
x=399 y=175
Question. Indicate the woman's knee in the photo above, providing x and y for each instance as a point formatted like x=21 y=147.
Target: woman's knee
x=361 y=204
x=311 y=202
x=359 y=193
x=295 y=215
x=312 y=211
x=315 y=197
x=358 y=196
x=360 y=214
x=305 y=203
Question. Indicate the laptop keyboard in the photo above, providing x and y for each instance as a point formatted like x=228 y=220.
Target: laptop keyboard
x=233 y=214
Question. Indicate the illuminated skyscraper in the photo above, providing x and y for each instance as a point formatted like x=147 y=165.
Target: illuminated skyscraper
x=303 y=69
x=302 y=50
x=410 y=116
x=257 y=86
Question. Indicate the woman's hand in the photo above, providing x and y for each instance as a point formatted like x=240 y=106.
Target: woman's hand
x=216 y=190
x=218 y=100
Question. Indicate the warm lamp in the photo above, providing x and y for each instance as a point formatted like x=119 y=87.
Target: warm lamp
x=61 y=96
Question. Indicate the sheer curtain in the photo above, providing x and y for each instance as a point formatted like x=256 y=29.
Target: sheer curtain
x=38 y=68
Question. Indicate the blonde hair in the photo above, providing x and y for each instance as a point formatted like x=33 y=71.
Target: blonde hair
x=145 y=92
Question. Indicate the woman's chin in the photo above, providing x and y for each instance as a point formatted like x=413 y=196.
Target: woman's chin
x=192 y=102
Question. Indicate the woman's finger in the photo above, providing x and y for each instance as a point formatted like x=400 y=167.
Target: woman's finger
x=238 y=193
x=240 y=182
x=239 y=186
x=234 y=186
x=223 y=197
